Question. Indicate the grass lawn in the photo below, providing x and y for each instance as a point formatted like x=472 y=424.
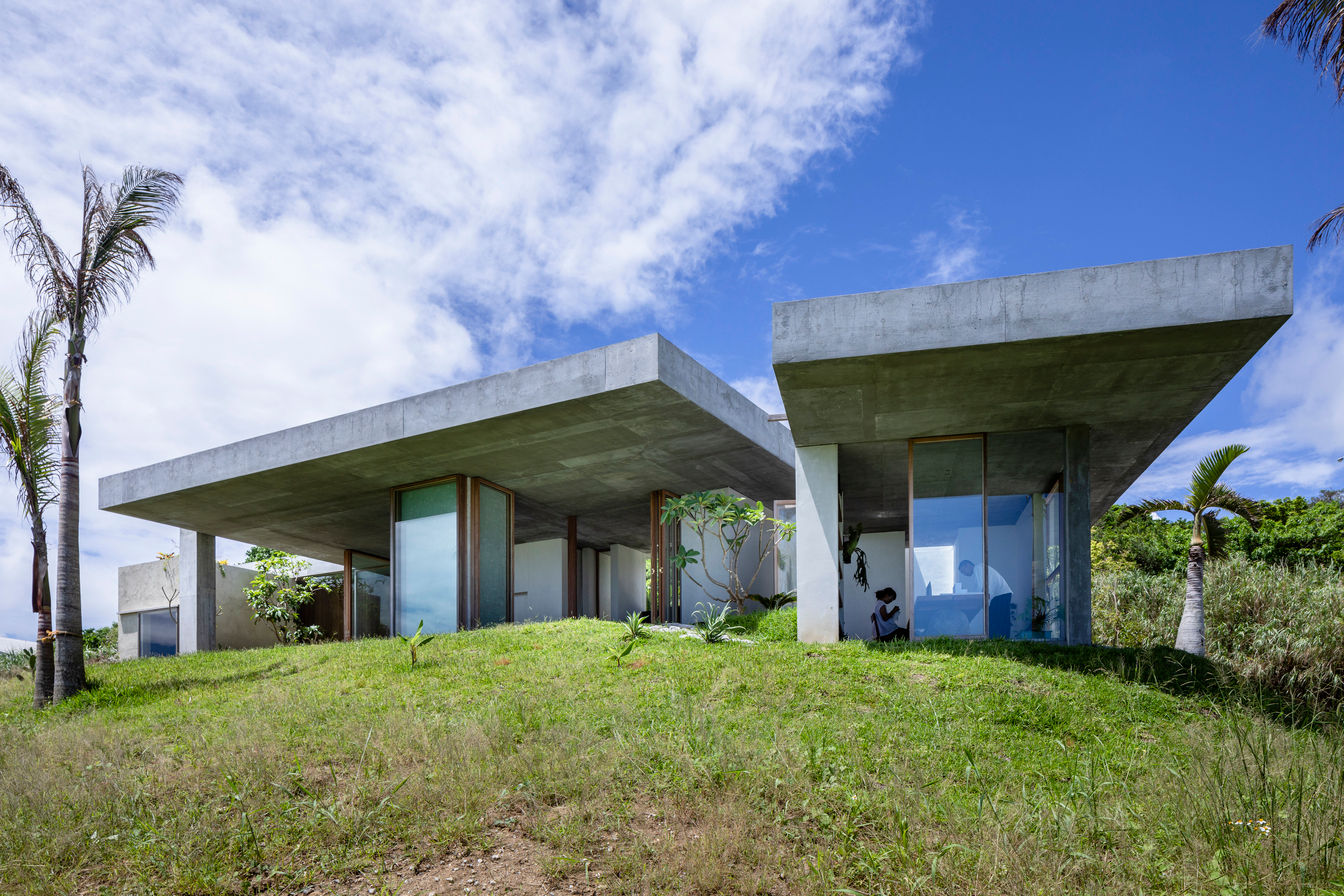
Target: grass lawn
x=522 y=759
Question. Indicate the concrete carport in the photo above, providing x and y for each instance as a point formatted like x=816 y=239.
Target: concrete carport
x=1116 y=359
x=582 y=442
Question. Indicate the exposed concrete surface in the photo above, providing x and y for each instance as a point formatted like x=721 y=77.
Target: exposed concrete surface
x=150 y=586
x=539 y=580
x=1134 y=351
x=196 y=584
x=1077 y=537
x=818 y=543
x=591 y=434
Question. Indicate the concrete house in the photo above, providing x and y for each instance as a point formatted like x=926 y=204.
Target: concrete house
x=971 y=432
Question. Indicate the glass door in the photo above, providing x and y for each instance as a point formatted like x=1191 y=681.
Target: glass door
x=370 y=581
x=492 y=553
x=947 y=571
x=425 y=554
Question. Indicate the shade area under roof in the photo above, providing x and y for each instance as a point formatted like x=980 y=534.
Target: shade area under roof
x=590 y=435
x=1134 y=351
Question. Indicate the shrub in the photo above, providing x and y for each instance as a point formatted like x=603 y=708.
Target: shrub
x=1280 y=628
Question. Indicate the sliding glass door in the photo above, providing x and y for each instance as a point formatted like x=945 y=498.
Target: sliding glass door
x=492 y=553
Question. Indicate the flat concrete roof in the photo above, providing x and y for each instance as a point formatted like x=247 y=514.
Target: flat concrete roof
x=589 y=435
x=1135 y=351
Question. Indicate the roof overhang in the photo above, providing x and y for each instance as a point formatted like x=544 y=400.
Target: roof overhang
x=1134 y=351
x=590 y=435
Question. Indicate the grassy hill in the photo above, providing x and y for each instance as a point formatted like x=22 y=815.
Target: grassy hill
x=523 y=759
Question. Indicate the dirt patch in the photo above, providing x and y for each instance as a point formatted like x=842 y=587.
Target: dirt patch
x=514 y=864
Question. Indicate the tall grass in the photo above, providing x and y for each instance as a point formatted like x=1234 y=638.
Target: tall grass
x=1279 y=628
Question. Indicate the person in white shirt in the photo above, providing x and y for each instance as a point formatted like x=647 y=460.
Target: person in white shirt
x=886 y=616
x=1000 y=595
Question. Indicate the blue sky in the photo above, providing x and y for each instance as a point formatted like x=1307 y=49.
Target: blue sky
x=380 y=202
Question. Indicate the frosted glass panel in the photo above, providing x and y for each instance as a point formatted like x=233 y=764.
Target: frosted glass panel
x=426 y=561
x=496 y=530
x=947 y=539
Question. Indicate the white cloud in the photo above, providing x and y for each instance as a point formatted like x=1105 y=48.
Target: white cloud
x=382 y=199
x=762 y=390
x=953 y=253
x=1295 y=407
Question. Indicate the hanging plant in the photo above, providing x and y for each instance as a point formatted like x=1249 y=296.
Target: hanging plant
x=850 y=551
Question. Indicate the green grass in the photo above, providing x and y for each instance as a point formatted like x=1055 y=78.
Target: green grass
x=772 y=767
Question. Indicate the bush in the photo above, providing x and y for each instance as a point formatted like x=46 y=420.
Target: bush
x=1280 y=628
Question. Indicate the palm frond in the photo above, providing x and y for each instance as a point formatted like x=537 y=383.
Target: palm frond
x=1150 y=506
x=28 y=416
x=1327 y=227
x=1209 y=471
x=1215 y=537
x=1224 y=498
x=117 y=251
x=44 y=265
x=1315 y=28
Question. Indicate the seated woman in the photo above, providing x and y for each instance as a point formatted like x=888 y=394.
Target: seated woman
x=886 y=626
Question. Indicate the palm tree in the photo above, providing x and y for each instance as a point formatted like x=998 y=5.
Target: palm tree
x=1206 y=495
x=28 y=427
x=1316 y=29
x=79 y=291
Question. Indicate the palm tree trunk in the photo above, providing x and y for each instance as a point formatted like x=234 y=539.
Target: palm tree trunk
x=69 y=621
x=44 y=672
x=1190 y=635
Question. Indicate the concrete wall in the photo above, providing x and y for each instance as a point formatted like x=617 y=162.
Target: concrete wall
x=604 y=584
x=818 y=538
x=588 y=582
x=148 y=586
x=539 y=580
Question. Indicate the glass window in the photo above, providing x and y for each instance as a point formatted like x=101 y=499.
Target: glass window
x=158 y=633
x=948 y=576
x=424 y=539
x=494 y=530
x=372 y=578
x=1025 y=550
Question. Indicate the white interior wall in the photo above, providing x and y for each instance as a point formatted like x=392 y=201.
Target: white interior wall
x=886 y=569
x=1010 y=552
x=627 y=581
x=587 y=582
x=539 y=580
x=604 y=584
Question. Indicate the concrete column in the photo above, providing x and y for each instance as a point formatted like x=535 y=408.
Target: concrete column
x=817 y=480
x=195 y=591
x=1077 y=536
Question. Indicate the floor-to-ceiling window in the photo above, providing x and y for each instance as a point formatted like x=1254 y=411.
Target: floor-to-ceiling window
x=1025 y=514
x=948 y=577
x=158 y=633
x=492 y=545
x=426 y=542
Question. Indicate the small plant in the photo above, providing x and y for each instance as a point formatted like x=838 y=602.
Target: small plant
x=776 y=601
x=712 y=625
x=620 y=651
x=635 y=627
x=277 y=593
x=416 y=641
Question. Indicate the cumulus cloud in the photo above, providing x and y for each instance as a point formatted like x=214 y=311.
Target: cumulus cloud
x=385 y=199
x=1294 y=405
x=763 y=391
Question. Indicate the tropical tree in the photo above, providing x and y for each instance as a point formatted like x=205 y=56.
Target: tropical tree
x=28 y=428
x=1315 y=28
x=1207 y=495
x=79 y=290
